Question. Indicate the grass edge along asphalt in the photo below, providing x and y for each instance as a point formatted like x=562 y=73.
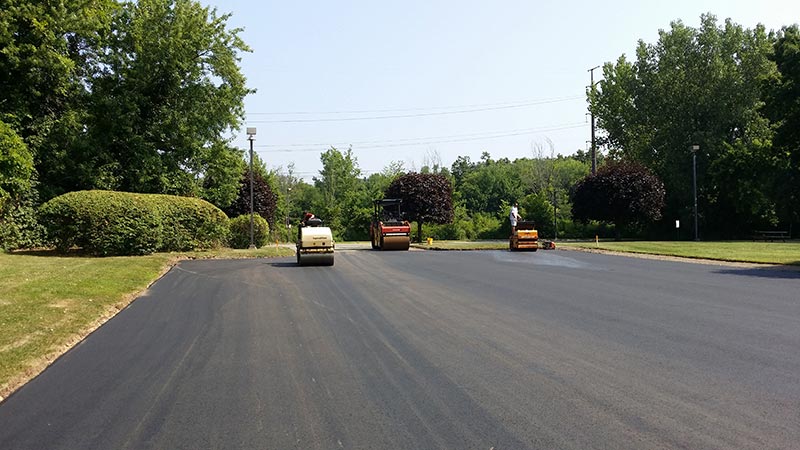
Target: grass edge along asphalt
x=50 y=302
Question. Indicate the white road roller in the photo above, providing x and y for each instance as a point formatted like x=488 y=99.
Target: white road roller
x=314 y=244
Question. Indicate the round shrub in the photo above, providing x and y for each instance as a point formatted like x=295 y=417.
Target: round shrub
x=190 y=223
x=122 y=223
x=240 y=231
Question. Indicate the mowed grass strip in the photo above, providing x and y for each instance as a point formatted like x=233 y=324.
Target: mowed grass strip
x=48 y=302
x=737 y=251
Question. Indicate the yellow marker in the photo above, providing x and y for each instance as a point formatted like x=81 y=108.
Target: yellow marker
x=596 y=241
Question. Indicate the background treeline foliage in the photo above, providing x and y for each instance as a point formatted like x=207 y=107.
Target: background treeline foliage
x=734 y=92
x=141 y=96
x=471 y=200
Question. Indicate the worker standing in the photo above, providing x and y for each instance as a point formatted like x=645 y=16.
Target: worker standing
x=514 y=216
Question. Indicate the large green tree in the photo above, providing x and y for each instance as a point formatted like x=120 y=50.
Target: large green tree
x=694 y=86
x=49 y=54
x=340 y=189
x=783 y=95
x=167 y=88
x=485 y=186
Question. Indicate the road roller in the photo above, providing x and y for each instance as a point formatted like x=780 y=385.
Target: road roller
x=389 y=230
x=524 y=237
x=315 y=244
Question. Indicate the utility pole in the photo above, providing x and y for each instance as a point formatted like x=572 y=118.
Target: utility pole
x=591 y=111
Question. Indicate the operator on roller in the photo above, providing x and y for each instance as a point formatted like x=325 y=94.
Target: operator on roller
x=304 y=222
x=306 y=217
x=514 y=216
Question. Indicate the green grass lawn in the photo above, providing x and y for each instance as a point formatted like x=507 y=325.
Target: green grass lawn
x=740 y=251
x=49 y=302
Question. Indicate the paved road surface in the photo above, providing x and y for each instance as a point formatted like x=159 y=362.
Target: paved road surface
x=432 y=350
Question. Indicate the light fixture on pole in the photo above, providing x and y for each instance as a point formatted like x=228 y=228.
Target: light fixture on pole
x=251 y=133
x=694 y=148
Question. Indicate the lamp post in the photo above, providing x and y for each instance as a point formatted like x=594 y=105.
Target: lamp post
x=694 y=149
x=251 y=133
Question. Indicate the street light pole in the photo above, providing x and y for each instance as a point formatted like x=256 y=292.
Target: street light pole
x=694 y=149
x=251 y=133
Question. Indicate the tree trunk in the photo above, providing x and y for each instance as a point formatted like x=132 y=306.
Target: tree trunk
x=419 y=231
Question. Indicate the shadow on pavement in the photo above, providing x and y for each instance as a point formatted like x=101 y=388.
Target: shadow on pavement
x=283 y=264
x=789 y=272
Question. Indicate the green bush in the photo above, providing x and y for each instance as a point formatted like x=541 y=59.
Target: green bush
x=240 y=231
x=190 y=223
x=18 y=227
x=122 y=223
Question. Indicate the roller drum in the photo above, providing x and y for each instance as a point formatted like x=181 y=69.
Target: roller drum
x=395 y=242
x=315 y=259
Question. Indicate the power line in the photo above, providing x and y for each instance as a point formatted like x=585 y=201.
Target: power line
x=428 y=138
x=422 y=141
x=403 y=116
x=430 y=108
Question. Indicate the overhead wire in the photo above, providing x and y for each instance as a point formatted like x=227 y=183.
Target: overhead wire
x=403 y=116
x=389 y=143
x=428 y=108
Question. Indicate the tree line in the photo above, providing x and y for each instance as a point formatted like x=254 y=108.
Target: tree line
x=139 y=96
x=468 y=200
x=733 y=92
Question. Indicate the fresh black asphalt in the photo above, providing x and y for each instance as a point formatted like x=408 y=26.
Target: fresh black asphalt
x=432 y=350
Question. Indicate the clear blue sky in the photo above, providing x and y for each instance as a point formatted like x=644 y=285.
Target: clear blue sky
x=523 y=62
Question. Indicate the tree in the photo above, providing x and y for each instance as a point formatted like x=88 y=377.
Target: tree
x=17 y=217
x=16 y=166
x=623 y=193
x=50 y=54
x=340 y=191
x=694 y=86
x=222 y=167
x=427 y=198
x=539 y=209
x=783 y=108
x=264 y=198
x=166 y=89
x=485 y=187
x=460 y=168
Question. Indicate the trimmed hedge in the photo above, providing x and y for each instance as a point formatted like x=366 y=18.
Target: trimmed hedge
x=123 y=223
x=240 y=231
